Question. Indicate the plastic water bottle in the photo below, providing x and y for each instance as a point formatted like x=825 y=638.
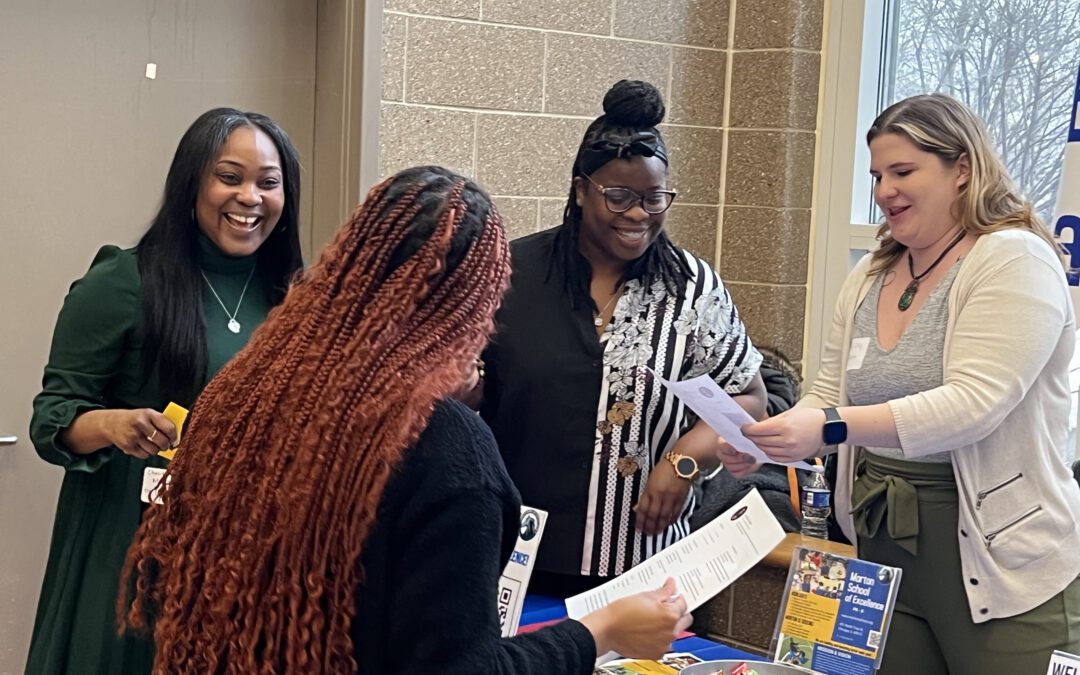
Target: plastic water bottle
x=816 y=500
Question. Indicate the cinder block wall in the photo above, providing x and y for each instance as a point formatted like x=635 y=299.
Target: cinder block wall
x=502 y=90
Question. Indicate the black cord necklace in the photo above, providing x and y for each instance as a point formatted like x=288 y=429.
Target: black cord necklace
x=913 y=288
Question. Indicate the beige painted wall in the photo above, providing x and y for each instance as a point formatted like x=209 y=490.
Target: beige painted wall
x=86 y=141
x=503 y=90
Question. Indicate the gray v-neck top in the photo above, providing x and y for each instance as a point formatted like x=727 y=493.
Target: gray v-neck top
x=912 y=366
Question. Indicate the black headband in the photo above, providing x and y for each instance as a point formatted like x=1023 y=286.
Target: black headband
x=604 y=142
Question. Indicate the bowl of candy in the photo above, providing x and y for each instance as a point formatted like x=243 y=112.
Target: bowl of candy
x=744 y=668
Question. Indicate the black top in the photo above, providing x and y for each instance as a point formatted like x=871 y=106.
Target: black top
x=446 y=526
x=580 y=422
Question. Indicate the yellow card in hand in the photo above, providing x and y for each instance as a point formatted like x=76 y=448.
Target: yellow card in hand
x=175 y=414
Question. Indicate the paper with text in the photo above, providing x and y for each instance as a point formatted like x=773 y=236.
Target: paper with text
x=702 y=564
x=151 y=485
x=835 y=613
x=1062 y=663
x=724 y=415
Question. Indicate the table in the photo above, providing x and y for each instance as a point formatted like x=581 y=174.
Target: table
x=545 y=609
x=782 y=554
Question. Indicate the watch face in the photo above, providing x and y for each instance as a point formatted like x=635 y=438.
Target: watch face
x=835 y=432
x=686 y=466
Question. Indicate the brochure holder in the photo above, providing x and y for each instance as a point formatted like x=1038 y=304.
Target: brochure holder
x=515 y=577
x=835 y=613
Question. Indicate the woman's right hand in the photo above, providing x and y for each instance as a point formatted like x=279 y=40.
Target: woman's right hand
x=141 y=432
x=640 y=626
x=738 y=464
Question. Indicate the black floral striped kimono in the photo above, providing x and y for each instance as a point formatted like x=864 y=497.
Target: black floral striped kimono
x=579 y=420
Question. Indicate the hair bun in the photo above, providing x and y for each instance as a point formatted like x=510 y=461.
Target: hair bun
x=633 y=103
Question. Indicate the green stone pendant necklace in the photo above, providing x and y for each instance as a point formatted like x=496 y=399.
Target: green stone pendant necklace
x=913 y=287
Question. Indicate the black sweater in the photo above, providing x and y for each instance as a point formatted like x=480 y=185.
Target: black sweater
x=446 y=526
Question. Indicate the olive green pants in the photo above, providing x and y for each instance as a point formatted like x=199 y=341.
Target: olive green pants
x=932 y=632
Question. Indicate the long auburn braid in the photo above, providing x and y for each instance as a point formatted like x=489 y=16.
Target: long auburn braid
x=252 y=564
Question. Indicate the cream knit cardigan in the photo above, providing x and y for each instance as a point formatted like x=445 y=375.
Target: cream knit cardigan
x=1003 y=410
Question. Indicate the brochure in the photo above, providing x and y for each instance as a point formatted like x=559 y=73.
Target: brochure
x=515 y=576
x=726 y=417
x=702 y=564
x=177 y=414
x=835 y=613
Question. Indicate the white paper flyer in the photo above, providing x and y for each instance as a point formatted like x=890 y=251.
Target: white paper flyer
x=726 y=417
x=702 y=564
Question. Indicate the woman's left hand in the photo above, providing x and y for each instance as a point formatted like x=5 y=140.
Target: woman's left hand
x=663 y=501
x=790 y=436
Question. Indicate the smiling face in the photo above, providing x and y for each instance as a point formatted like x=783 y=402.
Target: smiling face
x=619 y=238
x=241 y=195
x=915 y=189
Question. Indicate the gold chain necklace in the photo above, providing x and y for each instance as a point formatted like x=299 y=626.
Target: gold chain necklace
x=598 y=318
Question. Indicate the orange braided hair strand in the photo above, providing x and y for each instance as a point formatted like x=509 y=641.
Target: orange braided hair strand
x=252 y=564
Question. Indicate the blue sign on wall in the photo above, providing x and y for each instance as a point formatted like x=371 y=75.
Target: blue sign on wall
x=1067 y=219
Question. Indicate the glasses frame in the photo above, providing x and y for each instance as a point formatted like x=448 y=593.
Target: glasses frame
x=639 y=200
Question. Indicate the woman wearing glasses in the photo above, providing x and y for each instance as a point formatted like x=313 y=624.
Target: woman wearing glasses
x=595 y=303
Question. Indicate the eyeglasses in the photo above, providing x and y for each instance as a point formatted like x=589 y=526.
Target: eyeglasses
x=621 y=200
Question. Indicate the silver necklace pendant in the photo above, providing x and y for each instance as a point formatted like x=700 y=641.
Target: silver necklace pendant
x=598 y=321
x=234 y=325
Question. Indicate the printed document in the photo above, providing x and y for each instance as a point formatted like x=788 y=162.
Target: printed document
x=723 y=414
x=702 y=564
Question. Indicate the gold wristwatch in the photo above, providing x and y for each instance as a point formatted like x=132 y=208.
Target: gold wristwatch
x=685 y=465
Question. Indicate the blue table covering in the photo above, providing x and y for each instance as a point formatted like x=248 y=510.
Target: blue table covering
x=543 y=608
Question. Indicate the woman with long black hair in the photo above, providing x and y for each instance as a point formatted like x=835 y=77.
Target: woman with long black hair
x=146 y=326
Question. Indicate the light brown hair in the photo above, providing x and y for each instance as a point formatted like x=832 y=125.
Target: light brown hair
x=990 y=201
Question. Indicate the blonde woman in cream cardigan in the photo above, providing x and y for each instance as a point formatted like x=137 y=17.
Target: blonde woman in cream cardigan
x=944 y=390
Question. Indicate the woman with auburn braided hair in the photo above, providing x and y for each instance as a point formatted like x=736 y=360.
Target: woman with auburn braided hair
x=332 y=509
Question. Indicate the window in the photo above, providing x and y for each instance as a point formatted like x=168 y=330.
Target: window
x=1012 y=61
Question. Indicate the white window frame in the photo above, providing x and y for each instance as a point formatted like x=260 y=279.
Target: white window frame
x=853 y=37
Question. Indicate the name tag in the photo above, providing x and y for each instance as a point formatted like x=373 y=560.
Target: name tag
x=859 y=347
x=151 y=491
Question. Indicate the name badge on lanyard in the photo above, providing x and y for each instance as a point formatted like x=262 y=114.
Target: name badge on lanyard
x=151 y=485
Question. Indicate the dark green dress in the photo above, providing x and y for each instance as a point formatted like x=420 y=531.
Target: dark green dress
x=95 y=363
